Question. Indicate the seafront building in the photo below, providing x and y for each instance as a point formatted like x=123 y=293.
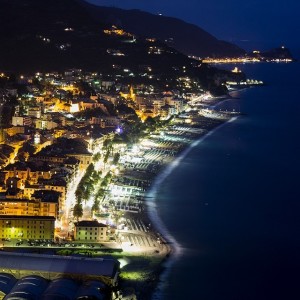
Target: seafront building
x=32 y=276
x=90 y=231
x=27 y=227
x=43 y=203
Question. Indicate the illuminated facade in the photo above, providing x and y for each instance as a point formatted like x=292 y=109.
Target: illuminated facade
x=28 y=172
x=14 y=130
x=130 y=95
x=21 y=121
x=84 y=159
x=91 y=231
x=26 y=227
x=59 y=187
x=25 y=207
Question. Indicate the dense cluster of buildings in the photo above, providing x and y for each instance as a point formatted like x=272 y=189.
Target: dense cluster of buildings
x=80 y=110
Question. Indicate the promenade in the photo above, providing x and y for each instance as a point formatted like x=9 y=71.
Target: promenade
x=139 y=165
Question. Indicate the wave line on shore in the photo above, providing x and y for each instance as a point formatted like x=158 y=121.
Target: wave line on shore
x=151 y=194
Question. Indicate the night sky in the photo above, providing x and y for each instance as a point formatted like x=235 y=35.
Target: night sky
x=260 y=24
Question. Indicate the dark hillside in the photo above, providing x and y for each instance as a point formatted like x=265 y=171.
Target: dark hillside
x=187 y=38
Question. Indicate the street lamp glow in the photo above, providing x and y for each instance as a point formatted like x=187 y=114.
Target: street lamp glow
x=123 y=262
x=119 y=130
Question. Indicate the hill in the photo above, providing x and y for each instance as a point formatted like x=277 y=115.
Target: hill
x=281 y=53
x=186 y=38
x=55 y=35
x=58 y=34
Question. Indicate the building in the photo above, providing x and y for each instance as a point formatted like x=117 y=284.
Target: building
x=91 y=231
x=7 y=281
x=28 y=171
x=105 y=121
x=2 y=135
x=43 y=206
x=37 y=287
x=53 y=267
x=177 y=103
x=34 y=112
x=59 y=186
x=53 y=159
x=13 y=183
x=45 y=124
x=84 y=159
x=21 y=121
x=26 y=227
x=13 y=130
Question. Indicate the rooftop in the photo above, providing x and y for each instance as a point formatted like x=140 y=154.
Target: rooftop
x=89 y=224
x=25 y=217
x=80 y=266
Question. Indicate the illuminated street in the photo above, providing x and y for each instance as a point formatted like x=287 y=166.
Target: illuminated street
x=66 y=223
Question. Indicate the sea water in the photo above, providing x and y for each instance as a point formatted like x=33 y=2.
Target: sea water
x=232 y=204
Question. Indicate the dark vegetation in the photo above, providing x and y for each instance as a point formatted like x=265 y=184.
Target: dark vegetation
x=33 y=37
x=186 y=38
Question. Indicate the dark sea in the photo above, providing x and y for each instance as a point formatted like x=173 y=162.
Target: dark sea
x=232 y=204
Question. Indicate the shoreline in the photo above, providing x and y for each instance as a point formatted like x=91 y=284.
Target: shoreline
x=154 y=251
x=148 y=248
x=169 y=249
x=176 y=249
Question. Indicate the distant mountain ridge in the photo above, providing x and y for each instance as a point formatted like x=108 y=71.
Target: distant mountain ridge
x=50 y=35
x=187 y=38
x=275 y=53
x=55 y=35
x=58 y=34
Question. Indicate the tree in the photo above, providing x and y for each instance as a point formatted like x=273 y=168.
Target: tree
x=77 y=211
x=88 y=191
x=97 y=157
x=106 y=157
x=79 y=194
x=116 y=158
x=96 y=205
x=100 y=194
x=106 y=143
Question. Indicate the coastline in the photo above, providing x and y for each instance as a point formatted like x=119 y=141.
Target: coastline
x=155 y=158
x=147 y=265
x=173 y=249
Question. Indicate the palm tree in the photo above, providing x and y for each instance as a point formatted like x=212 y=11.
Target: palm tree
x=100 y=194
x=77 y=211
x=96 y=205
x=79 y=194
